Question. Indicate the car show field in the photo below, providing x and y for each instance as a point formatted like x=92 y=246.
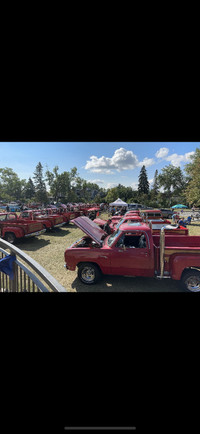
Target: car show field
x=48 y=250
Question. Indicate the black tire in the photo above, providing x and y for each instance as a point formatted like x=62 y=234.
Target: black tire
x=45 y=227
x=10 y=237
x=89 y=273
x=190 y=281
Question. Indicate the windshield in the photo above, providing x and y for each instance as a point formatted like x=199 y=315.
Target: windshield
x=119 y=223
x=113 y=236
x=3 y=217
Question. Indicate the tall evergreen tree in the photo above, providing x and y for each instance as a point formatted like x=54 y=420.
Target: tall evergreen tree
x=29 y=190
x=155 y=187
x=40 y=186
x=143 y=184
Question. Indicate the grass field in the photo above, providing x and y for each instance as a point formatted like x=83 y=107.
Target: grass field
x=48 y=250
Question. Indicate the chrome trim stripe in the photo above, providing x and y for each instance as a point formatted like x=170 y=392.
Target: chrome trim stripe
x=35 y=233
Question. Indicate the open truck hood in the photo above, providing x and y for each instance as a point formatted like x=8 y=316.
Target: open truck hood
x=90 y=228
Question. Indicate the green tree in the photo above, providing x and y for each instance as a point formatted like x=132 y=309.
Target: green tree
x=154 y=192
x=112 y=195
x=40 y=186
x=11 y=186
x=172 y=180
x=120 y=191
x=155 y=186
x=192 y=191
x=143 y=184
x=100 y=196
x=29 y=190
x=63 y=184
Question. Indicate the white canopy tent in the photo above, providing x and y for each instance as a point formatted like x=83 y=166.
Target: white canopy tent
x=118 y=202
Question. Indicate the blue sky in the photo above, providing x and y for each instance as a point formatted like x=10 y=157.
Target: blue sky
x=104 y=163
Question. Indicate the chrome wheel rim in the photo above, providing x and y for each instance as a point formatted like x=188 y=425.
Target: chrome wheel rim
x=88 y=274
x=193 y=283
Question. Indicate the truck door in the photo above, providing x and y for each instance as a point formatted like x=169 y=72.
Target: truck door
x=132 y=256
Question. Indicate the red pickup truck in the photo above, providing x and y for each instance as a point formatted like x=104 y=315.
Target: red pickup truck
x=56 y=220
x=12 y=227
x=35 y=216
x=152 y=214
x=69 y=214
x=134 y=251
x=155 y=225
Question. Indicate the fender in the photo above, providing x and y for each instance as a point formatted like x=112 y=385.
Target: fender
x=179 y=263
x=19 y=233
x=97 y=257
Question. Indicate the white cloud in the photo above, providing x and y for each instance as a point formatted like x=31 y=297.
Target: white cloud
x=146 y=162
x=162 y=153
x=99 y=165
x=176 y=159
x=121 y=160
x=95 y=181
x=110 y=185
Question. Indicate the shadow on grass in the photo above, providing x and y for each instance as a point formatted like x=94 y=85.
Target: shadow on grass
x=58 y=232
x=128 y=284
x=33 y=244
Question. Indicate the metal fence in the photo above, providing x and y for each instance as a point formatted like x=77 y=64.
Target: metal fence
x=29 y=276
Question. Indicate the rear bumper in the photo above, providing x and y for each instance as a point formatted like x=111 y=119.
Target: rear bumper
x=35 y=234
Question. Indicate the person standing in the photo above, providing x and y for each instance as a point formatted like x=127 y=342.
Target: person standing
x=174 y=219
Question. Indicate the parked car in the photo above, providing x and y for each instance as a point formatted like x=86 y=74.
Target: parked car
x=167 y=213
x=135 y=206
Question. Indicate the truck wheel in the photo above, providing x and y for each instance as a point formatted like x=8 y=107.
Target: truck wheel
x=191 y=281
x=10 y=237
x=88 y=273
x=45 y=227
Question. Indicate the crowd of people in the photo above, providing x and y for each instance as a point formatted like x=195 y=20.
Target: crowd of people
x=117 y=210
